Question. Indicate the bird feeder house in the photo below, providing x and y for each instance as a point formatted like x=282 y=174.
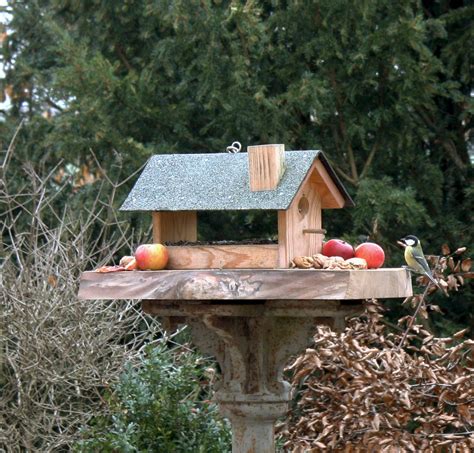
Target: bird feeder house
x=296 y=184
x=243 y=303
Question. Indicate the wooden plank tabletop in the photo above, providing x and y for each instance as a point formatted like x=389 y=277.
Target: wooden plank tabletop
x=247 y=284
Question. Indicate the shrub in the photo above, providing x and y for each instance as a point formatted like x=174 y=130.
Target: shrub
x=373 y=389
x=160 y=406
x=58 y=354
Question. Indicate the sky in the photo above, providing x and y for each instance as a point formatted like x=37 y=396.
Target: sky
x=3 y=19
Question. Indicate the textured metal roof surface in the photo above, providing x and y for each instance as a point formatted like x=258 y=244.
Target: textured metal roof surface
x=208 y=182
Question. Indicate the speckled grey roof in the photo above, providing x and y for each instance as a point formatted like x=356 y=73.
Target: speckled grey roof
x=211 y=182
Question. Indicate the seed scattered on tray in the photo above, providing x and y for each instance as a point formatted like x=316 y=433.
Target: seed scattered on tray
x=320 y=261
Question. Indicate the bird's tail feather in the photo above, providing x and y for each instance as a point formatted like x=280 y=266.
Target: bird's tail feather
x=433 y=280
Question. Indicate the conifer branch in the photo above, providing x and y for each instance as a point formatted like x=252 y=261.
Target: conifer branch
x=447 y=143
x=345 y=176
x=123 y=58
x=343 y=128
x=369 y=160
x=450 y=148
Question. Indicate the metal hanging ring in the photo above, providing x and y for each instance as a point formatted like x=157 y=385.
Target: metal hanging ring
x=234 y=148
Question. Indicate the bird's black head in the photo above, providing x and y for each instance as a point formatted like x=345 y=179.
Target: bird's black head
x=410 y=240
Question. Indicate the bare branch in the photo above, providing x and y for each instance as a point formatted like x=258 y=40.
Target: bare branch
x=343 y=128
x=11 y=148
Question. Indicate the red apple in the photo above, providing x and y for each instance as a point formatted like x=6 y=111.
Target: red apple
x=372 y=253
x=338 y=247
x=151 y=257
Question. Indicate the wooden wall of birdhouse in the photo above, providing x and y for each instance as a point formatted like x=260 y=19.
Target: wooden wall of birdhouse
x=295 y=224
x=300 y=230
x=331 y=196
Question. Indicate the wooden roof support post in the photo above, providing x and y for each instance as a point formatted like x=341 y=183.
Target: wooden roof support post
x=266 y=166
x=174 y=226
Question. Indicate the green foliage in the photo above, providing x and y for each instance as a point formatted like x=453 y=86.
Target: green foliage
x=380 y=205
x=161 y=406
x=239 y=225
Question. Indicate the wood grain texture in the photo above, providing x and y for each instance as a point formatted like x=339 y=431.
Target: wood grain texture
x=243 y=284
x=174 y=226
x=331 y=197
x=263 y=256
x=266 y=166
x=303 y=214
x=392 y=283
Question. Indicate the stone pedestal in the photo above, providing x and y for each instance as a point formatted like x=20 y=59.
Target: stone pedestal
x=253 y=423
x=252 y=344
x=252 y=321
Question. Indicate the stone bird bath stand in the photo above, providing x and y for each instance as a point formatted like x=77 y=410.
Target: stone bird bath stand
x=252 y=322
x=242 y=303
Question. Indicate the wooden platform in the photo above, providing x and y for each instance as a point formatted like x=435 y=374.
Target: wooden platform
x=247 y=284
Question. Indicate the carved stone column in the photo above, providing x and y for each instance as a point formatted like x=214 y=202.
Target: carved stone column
x=252 y=344
x=252 y=353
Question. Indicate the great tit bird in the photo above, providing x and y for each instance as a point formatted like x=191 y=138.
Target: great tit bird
x=415 y=258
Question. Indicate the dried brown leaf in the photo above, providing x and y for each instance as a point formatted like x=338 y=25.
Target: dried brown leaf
x=451 y=263
x=445 y=250
x=457 y=268
x=405 y=400
x=442 y=282
x=428 y=339
x=376 y=422
x=466 y=265
x=423 y=312
x=302 y=373
x=52 y=280
x=461 y=333
x=452 y=282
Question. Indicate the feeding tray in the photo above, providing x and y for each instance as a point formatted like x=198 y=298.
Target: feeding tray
x=247 y=284
x=223 y=255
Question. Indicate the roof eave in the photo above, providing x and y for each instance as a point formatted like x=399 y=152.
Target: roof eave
x=349 y=202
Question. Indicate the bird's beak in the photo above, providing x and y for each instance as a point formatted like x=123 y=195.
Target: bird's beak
x=401 y=242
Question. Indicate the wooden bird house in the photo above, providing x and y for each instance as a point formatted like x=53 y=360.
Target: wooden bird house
x=296 y=184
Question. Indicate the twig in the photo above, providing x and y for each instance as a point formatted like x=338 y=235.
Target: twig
x=11 y=146
x=413 y=318
x=53 y=104
x=121 y=54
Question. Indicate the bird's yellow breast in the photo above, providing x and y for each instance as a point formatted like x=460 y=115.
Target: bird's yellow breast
x=409 y=257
